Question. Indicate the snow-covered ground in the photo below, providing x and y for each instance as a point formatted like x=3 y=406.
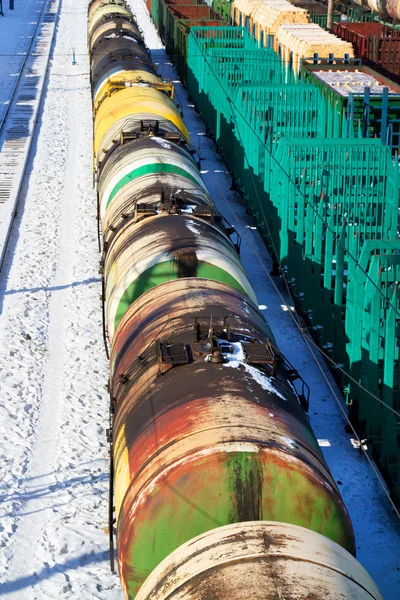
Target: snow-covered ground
x=53 y=405
x=16 y=29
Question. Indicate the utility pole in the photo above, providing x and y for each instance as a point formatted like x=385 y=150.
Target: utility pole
x=329 y=23
x=11 y=4
x=1 y=8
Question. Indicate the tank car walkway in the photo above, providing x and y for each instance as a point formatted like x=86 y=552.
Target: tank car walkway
x=18 y=121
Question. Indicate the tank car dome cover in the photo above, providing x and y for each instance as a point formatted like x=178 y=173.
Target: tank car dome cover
x=261 y=560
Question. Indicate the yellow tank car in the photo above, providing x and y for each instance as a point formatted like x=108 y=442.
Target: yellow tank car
x=127 y=108
x=120 y=78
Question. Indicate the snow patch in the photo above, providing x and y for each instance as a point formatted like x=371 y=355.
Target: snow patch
x=324 y=443
x=246 y=308
x=162 y=143
x=236 y=359
x=291 y=443
x=192 y=226
x=287 y=308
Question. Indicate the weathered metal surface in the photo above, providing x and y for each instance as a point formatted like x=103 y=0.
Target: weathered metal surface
x=392 y=7
x=124 y=56
x=118 y=26
x=172 y=311
x=143 y=255
x=118 y=47
x=210 y=444
x=385 y=9
x=113 y=78
x=94 y=5
x=171 y=191
x=261 y=561
x=104 y=11
x=145 y=171
x=130 y=106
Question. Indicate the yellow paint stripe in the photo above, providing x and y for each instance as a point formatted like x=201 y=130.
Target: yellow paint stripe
x=121 y=469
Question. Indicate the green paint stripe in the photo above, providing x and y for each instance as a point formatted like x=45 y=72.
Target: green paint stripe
x=146 y=170
x=222 y=488
x=167 y=271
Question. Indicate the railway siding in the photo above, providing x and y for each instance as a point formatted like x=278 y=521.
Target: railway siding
x=19 y=122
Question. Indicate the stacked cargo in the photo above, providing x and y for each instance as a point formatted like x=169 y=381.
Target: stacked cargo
x=268 y=15
x=296 y=42
x=241 y=11
x=370 y=101
x=318 y=12
x=366 y=11
x=376 y=44
x=264 y=17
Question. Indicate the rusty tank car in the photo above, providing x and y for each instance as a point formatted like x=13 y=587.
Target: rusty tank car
x=219 y=484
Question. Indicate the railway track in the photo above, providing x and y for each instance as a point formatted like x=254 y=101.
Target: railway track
x=18 y=124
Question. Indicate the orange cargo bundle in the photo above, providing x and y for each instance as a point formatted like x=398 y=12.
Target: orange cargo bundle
x=303 y=41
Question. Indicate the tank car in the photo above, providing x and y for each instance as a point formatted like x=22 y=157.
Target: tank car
x=219 y=480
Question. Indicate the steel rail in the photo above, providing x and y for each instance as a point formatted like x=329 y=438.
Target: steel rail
x=4 y=117
x=14 y=149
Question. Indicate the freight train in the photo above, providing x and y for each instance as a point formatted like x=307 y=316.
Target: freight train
x=220 y=488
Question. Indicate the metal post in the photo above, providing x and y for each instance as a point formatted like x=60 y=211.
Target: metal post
x=73 y=56
x=384 y=118
x=350 y=116
x=329 y=23
x=11 y=4
x=365 y=127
